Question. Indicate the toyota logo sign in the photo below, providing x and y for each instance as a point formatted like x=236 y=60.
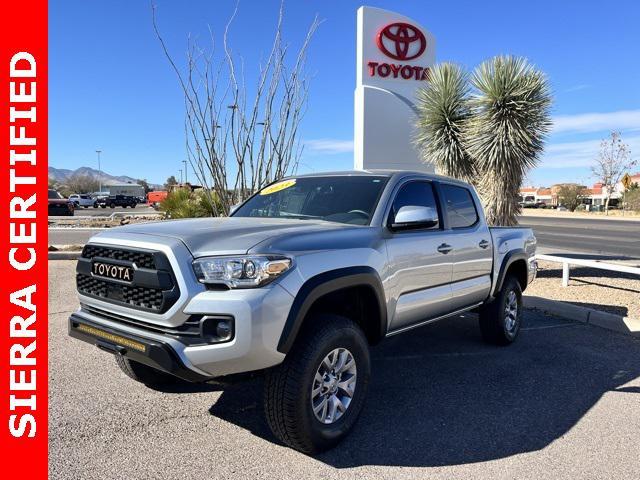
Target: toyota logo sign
x=401 y=41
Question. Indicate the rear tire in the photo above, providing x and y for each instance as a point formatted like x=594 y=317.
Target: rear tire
x=501 y=318
x=144 y=374
x=309 y=378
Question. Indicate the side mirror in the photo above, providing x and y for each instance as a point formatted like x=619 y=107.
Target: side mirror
x=412 y=217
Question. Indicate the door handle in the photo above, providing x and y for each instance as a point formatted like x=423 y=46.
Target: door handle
x=445 y=248
x=483 y=244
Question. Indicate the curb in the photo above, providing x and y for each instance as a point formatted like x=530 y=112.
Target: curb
x=617 y=323
x=64 y=255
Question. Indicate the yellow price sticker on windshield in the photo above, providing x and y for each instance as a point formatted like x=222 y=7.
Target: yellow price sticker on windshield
x=276 y=187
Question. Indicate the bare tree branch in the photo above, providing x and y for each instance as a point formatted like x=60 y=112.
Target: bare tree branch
x=239 y=139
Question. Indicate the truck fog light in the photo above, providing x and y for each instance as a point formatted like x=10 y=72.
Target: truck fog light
x=216 y=329
x=224 y=331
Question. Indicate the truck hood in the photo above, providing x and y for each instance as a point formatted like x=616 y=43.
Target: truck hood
x=224 y=236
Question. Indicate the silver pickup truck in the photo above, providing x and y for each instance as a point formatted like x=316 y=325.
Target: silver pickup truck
x=298 y=283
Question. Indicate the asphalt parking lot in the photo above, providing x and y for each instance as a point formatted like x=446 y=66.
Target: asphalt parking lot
x=562 y=402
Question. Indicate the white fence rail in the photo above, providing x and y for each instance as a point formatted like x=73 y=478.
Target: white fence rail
x=567 y=262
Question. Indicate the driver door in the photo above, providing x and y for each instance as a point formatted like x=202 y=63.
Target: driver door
x=420 y=265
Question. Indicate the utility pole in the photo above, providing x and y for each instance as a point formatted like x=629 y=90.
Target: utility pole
x=180 y=170
x=99 y=171
x=185 y=171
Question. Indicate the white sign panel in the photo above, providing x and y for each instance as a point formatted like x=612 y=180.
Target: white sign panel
x=394 y=54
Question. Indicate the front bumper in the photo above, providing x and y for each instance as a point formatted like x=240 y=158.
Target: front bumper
x=258 y=319
x=152 y=352
x=258 y=314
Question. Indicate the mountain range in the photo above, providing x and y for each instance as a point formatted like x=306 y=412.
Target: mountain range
x=62 y=174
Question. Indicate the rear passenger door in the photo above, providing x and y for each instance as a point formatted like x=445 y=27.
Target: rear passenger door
x=472 y=252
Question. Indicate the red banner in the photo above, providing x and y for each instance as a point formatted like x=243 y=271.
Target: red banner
x=23 y=288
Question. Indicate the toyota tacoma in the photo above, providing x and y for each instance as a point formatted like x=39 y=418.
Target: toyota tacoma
x=297 y=283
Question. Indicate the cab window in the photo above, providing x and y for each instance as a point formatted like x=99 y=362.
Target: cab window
x=418 y=194
x=461 y=209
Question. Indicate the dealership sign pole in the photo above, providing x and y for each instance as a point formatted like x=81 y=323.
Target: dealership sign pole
x=394 y=55
x=23 y=109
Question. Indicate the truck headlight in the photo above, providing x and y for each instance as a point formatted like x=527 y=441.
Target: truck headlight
x=244 y=271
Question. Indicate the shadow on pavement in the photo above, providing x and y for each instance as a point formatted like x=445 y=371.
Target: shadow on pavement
x=614 y=309
x=439 y=396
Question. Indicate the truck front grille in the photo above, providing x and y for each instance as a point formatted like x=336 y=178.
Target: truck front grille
x=153 y=289
x=141 y=259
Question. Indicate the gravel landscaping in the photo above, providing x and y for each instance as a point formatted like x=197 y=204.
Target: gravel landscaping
x=612 y=292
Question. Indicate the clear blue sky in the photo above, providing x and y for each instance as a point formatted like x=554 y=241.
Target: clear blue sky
x=112 y=88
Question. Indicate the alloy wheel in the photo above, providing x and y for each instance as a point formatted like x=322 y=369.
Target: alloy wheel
x=334 y=385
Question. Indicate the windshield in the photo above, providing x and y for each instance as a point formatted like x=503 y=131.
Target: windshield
x=55 y=195
x=343 y=199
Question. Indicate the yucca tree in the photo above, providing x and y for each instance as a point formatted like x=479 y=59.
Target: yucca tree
x=443 y=106
x=506 y=131
x=489 y=135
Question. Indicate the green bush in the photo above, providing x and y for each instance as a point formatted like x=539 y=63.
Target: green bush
x=183 y=203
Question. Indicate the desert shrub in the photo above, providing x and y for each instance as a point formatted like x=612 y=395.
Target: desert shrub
x=183 y=203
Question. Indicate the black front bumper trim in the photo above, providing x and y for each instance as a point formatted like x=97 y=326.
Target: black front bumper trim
x=154 y=353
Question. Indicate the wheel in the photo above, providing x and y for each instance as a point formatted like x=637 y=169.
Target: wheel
x=133 y=205
x=501 y=318
x=144 y=374
x=313 y=399
x=95 y=205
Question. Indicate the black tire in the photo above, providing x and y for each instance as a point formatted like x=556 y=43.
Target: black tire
x=494 y=324
x=287 y=392
x=145 y=374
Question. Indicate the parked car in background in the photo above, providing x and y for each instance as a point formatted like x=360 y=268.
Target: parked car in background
x=58 y=205
x=83 y=200
x=114 y=201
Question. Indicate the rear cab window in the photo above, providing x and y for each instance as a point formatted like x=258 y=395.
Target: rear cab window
x=461 y=209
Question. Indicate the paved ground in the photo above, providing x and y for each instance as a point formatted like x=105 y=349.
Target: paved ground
x=71 y=236
x=594 y=236
x=563 y=402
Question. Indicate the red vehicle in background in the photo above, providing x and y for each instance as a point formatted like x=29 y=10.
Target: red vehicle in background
x=58 y=205
x=154 y=198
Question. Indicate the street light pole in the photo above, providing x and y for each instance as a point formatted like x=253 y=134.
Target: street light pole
x=180 y=170
x=185 y=171
x=99 y=171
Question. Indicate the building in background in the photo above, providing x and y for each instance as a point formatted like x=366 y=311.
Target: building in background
x=594 y=197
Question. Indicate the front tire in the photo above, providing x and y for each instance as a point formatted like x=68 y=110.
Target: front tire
x=144 y=374
x=501 y=318
x=313 y=399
